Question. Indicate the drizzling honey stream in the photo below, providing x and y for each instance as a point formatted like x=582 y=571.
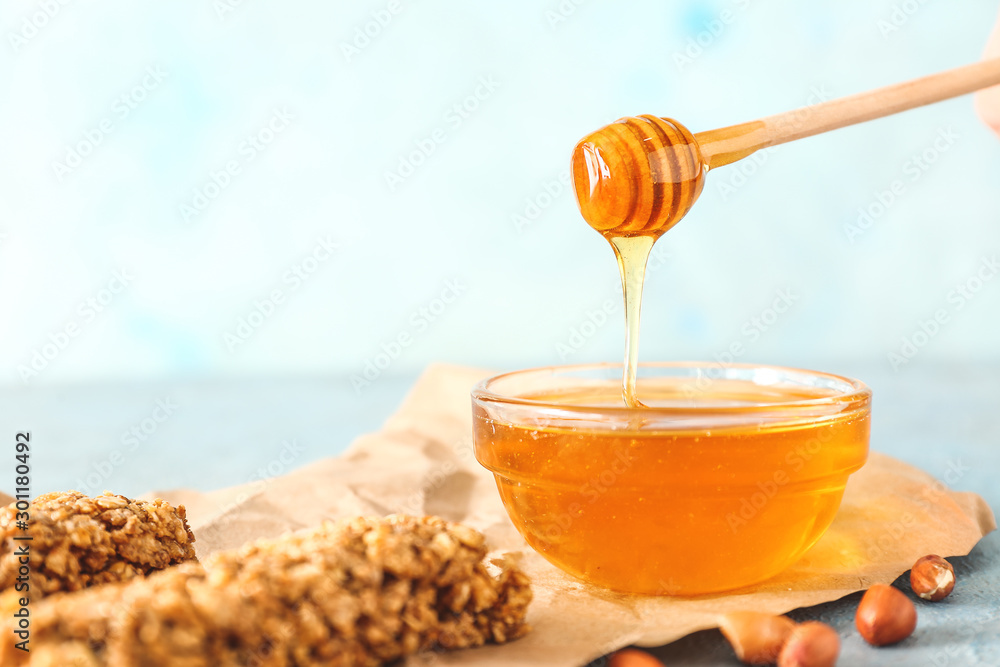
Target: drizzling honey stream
x=590 y=485
x=634 y=180
x=637 y=177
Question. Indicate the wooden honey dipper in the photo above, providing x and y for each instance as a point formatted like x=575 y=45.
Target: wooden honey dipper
x=640 y=175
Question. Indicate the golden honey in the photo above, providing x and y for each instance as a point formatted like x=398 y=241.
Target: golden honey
x=693 y=479
x=638 y=501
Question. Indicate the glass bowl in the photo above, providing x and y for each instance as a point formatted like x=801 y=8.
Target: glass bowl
x=726 y=478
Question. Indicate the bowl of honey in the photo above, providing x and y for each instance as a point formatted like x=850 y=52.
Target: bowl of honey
x=722 y=477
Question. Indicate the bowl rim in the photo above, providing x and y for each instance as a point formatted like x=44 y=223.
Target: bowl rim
x=858 y=396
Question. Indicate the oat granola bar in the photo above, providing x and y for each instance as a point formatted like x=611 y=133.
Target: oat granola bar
x=77 y=541
x=355 y=592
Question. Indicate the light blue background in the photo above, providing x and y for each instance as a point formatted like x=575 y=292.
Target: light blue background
x=559 y=72
x=760 y=229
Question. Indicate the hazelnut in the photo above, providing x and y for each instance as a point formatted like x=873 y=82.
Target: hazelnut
x=756 y=637
x=885 y=616
x=631 y=657
x=932 y=578
x=811 y=644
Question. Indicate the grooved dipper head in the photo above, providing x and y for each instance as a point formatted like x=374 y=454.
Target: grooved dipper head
x=637 y=176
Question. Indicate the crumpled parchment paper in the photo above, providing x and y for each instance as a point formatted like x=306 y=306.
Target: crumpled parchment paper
x=422 y=462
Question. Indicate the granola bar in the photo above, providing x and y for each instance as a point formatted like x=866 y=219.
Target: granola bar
x=78 y=541
x=350 y=593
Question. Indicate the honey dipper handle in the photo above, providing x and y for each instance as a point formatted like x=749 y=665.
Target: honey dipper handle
x=734 y=143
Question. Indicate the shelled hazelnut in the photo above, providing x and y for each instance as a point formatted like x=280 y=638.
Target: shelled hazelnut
x=932 y=578
x=811 y=644
x=885 y=616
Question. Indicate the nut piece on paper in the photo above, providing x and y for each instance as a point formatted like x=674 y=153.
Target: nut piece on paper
x=77 y=541
x=355 y=592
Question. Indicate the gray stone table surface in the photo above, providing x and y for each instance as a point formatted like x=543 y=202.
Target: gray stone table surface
x=134 y=438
